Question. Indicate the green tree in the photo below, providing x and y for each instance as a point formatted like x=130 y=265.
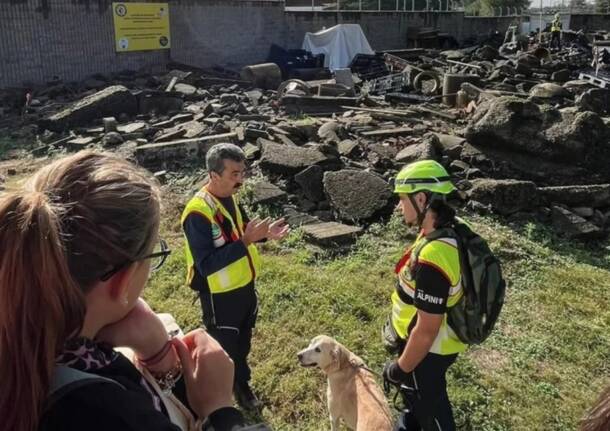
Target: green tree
x=492 y=7
x=578 y=4
x=602 y=6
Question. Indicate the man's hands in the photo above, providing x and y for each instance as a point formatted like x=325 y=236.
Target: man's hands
x=258 y=229
x=208 y=372
x=278 y=229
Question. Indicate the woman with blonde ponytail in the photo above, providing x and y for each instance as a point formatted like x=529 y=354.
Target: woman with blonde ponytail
x=77 y=244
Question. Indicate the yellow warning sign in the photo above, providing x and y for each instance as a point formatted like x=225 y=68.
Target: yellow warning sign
x=141 y=26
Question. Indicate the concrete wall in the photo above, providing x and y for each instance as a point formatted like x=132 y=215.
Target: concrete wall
x=71 y=39
x=66 y=39
x=590 y=22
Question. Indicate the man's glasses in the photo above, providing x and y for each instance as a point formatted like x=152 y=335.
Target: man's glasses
x=157 y=258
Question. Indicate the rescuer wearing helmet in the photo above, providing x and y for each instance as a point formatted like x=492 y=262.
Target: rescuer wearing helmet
x=429 y=282
x=556 y=32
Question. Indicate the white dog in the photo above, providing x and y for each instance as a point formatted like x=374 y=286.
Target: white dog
x=352 y=393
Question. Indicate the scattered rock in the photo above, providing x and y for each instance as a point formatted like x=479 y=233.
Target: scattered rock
x=549 y=90
x=505 y=196
x=229 y=99
x=110 y=124
x=573 y=225
x=584 y=212
x=594 y=99
x=422 y=151
x=310 y=180
x=110 y=101
x=357 y=195
x=251 y=151
x=596 y=195
x=265 y=193
x=562 y=75
x=287 y=160
x=331 y=233
x=185 y=89
x=347 y=147
x=112 y=139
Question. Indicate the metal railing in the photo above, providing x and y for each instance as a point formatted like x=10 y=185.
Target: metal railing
x=391 y=6
x=374 y=5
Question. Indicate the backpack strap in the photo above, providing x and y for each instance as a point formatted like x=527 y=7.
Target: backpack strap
x=445 y=232
x=66 y=380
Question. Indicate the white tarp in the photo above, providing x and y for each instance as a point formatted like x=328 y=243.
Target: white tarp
x=339 y=44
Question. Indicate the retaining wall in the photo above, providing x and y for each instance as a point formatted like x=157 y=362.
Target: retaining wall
x=72 y=39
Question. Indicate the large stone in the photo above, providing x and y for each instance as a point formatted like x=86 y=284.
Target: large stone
x=265 y=193
x=577 y=136
x=594 y=99
x=423 y=151
x=509 y=123
x=160 y=102
x=596 y=195
x=111 y=101
x=180 y=150
x=111 y=139
x=185 y=89
x=548 y=90
x=505 y=196
x=310 y=180
x=357 y=195
x=573 y=225
x=296 y=219
x=331 y=233
x=288 y=160
x=347 y=147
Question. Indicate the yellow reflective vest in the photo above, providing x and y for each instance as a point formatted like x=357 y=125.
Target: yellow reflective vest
x=236 y=274
x=443 y=255
x=556 y=25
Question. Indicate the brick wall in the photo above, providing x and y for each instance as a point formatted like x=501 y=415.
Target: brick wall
x=71 y=39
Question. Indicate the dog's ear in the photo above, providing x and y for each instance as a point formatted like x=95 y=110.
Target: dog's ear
x=335 y=354
x=338 y=355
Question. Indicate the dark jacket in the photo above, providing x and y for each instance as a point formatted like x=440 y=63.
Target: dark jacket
x=106 y=406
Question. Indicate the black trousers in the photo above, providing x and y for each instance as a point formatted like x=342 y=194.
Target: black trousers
x=428 y=402
x=229 y=318
x=556 y=39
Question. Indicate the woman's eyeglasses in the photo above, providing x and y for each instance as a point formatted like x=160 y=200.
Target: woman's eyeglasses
x=157 y=258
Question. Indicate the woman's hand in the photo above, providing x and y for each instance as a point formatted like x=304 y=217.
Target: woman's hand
x=207 y=370
x=141 y=330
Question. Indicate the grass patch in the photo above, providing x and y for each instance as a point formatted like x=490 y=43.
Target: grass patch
x=542 y=368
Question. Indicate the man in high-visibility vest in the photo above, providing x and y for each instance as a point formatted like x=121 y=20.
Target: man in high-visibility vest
x=223 y=262
x=556 y=32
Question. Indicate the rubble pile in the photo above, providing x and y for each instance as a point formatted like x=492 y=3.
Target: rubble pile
x=518 y=130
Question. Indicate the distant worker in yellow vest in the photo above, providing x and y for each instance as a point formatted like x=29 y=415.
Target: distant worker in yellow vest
x=556 y=27
x=223 y=262
x=426 y=287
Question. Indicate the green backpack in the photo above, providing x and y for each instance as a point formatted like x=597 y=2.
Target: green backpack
x=473 y=317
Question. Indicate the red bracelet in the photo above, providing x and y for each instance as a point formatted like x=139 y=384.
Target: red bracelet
x=157 y=357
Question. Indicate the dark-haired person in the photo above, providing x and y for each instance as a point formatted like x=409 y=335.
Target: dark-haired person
x=78 y=242
x=426 y=287
x=223 y=262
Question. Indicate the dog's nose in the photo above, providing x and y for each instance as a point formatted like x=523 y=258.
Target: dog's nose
x=300 y=356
